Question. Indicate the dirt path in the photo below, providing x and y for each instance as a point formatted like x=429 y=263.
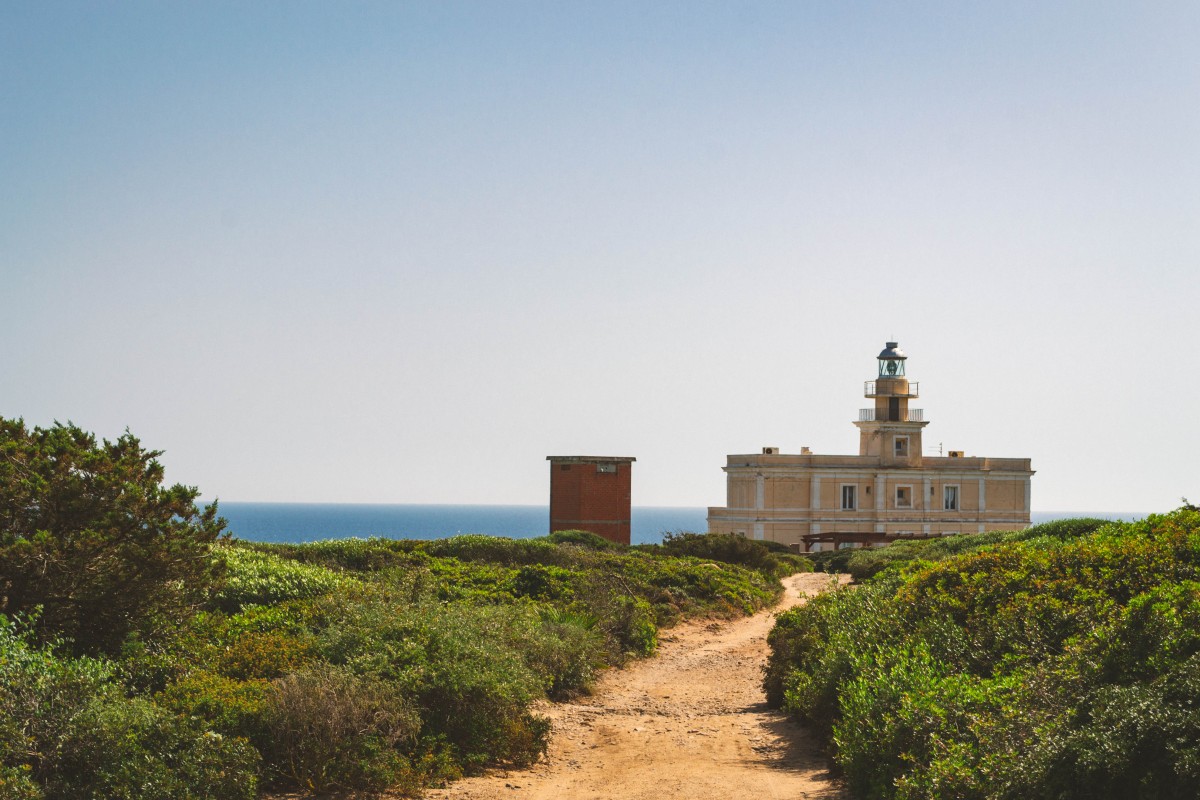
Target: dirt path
x=690 y=723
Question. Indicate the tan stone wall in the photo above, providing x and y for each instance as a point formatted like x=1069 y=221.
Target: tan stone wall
x=968 y=493
x=791 y=493
x=831 y=493
x=723 y=520
x=786 y=533
x=1005 y=494
x=741 y=492
x=769 y=485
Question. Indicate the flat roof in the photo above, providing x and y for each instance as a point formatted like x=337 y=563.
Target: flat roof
x=591 y=459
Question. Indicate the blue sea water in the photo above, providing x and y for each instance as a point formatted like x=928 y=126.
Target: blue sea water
x=308 y=522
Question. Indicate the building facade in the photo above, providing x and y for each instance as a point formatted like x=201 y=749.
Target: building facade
x=889 y=491
x=591 y=493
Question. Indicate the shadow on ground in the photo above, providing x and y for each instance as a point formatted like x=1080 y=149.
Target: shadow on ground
x=790 y=747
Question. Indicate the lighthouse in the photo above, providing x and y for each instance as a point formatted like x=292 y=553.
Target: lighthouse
x=891 y=430
x=891 y=490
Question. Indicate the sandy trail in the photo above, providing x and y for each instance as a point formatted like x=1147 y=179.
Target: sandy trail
x=690 y=723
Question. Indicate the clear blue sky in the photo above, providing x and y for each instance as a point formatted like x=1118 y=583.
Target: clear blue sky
x=401 y=252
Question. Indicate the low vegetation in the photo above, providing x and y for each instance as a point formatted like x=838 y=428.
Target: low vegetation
x=768 y=557
x=163 y=660
x=1061 y=662
x=862 y=563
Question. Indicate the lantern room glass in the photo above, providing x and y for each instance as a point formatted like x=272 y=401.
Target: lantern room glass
x=891 y=368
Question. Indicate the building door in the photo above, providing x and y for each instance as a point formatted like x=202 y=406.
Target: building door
x=894 y=409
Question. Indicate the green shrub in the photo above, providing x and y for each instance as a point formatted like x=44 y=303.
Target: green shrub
x=130 y=749
x=497 y=550
x=16 y=783
x=359 y=555
x=452 y=580
x=770 y=558
x=230 y=706
x=565 y=648
x=463 y=666
x=18 y=700
x=40 y=693
x=294 y=617
x=72 y=733
x=332 y=729
x=255 y=577
x=584 y=539
x=539 y=582
x=862 y=563
x=791 y=645
x=814 y=649
x=832 y=560
x=268 y=654
x=684 y=585
x=1058 y=663
x=631 y=623
x=1130 y=741
x=777 y=547
x=91 y=537
x=1063 y=529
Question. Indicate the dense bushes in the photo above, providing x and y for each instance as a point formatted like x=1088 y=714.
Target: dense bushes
x=262 y=578
x=769 y=558
x=331 y=728
x=1061 y=662
x=91 y=537
x=466 y=632
x=353 y=665
x=69 y=732
x=862 y=563
x=583 y=539
x=471 y=670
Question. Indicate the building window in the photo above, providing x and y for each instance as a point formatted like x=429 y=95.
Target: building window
x=903 y=497
x=849 y=497
x=950 y=498
x=607 y=468
x=900 y=445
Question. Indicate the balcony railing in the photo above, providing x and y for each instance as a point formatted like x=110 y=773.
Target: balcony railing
x=911 y=415
x=913 y=390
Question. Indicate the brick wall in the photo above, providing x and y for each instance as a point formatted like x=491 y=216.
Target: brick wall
x=591 y=495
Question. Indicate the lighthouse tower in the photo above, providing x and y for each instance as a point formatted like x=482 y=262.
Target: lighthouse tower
x=891 y=430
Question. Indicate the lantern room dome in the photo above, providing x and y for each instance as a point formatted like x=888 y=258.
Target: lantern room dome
x=892 y=350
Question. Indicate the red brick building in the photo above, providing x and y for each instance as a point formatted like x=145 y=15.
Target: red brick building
x=591 y=493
